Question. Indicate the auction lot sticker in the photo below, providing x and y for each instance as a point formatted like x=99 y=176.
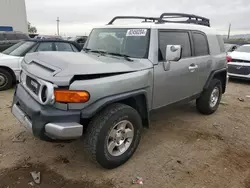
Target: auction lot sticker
x=136 y=32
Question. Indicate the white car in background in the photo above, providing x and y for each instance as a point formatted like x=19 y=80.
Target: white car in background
x=11 y=58
x=239 y=63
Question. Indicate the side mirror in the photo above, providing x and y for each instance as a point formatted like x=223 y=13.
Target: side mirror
x=173 y=52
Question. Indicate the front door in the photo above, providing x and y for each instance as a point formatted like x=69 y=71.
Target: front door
x=178 y=80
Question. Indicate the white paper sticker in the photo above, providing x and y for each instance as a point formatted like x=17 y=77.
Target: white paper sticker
x=136 y=32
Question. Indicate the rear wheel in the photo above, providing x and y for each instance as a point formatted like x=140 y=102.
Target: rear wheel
x=113 y=135
x=6 y=79
x=209 y=100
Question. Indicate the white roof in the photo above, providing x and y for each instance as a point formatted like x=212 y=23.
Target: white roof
x=150 y=25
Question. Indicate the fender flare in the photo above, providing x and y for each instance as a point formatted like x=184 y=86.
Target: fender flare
x=213 y=74
x=97 y=106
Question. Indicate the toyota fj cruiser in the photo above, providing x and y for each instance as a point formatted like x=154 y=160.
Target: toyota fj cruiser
x=123 y=73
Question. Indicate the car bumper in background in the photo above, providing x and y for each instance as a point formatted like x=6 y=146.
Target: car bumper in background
x=55 y=123
x=239 y=76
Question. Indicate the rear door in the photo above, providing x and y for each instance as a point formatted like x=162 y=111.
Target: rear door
x=180 y=80
x=202 y=57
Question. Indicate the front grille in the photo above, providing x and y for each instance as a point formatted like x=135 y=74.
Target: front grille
x=238 y=69
x=240 y=61
x=33 y=85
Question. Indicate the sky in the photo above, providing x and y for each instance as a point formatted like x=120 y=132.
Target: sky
x=78 y=17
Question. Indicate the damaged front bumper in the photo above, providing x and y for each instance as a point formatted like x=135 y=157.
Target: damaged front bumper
x=40 y=120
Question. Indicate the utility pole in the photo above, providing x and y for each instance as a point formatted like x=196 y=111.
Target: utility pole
x=229 y=30
x=58 y=31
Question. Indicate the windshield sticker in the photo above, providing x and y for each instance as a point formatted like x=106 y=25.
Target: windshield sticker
x=136 y=32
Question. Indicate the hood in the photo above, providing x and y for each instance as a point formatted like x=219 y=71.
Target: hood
x=58 y=66
x=240 y=55
x=6 y=57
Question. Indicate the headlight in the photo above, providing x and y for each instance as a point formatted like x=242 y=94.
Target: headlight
x=46 y=93
x=22 y=78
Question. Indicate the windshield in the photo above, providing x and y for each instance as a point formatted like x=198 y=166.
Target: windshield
x=243 y=49
x=10 y=49
x=19 y=49
x=130 y=42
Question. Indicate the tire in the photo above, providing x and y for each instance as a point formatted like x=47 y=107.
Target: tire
x=6 y=79
x=203 y=103
x=100 y=128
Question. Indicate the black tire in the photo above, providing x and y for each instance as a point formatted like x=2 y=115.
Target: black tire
x=8 y=79
x=98 y=133
x=203 y=102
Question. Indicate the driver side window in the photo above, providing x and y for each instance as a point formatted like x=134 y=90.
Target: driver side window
x=174 y=38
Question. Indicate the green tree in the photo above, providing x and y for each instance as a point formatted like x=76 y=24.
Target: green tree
x=31 y=29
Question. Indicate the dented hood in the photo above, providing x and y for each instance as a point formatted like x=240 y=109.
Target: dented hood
x=60 y=67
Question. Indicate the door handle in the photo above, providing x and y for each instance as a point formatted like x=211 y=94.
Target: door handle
x=192 y=67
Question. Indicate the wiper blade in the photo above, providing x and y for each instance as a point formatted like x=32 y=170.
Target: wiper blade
x=101 y=52
x=121 y=55
x=86 y=49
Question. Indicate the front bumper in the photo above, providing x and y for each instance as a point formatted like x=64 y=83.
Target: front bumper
x=55 y=123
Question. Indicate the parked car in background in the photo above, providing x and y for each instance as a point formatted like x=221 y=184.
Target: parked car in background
x=33 y=35
x=230 y=47
x=66 y=37
x=239 y=63
x=81 y=40
x=11 y=58
x=48 y=37
x=9 y=38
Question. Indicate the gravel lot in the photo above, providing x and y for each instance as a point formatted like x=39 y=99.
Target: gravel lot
x=181 y=149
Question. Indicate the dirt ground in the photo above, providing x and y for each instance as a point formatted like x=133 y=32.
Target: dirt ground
x=181 y=149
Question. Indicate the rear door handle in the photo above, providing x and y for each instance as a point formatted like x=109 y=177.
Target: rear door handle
x=192 y=67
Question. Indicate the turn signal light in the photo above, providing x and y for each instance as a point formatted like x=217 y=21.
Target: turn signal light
x=68 y=96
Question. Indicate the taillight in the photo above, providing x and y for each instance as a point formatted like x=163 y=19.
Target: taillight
x=229 y=58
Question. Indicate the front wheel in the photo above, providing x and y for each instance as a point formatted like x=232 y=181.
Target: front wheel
x=113 y=135
x=209 y=100
x=5 y=79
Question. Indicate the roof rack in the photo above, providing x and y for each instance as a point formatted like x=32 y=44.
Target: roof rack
x=191 y=19
x=146 y=19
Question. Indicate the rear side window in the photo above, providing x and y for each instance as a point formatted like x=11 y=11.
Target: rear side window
x=221 y=43
x=174 y=38
x=10 y=36
x=200 y=44
x=61 y=46
x=45 y=46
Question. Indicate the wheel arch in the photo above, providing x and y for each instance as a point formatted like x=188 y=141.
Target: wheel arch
x=136 y=99
x=219 y=74
x=10 y=71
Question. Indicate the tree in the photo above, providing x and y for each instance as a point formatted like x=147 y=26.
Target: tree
x=31 y=29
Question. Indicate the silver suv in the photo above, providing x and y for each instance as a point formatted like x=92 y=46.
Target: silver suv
x=107 y=92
